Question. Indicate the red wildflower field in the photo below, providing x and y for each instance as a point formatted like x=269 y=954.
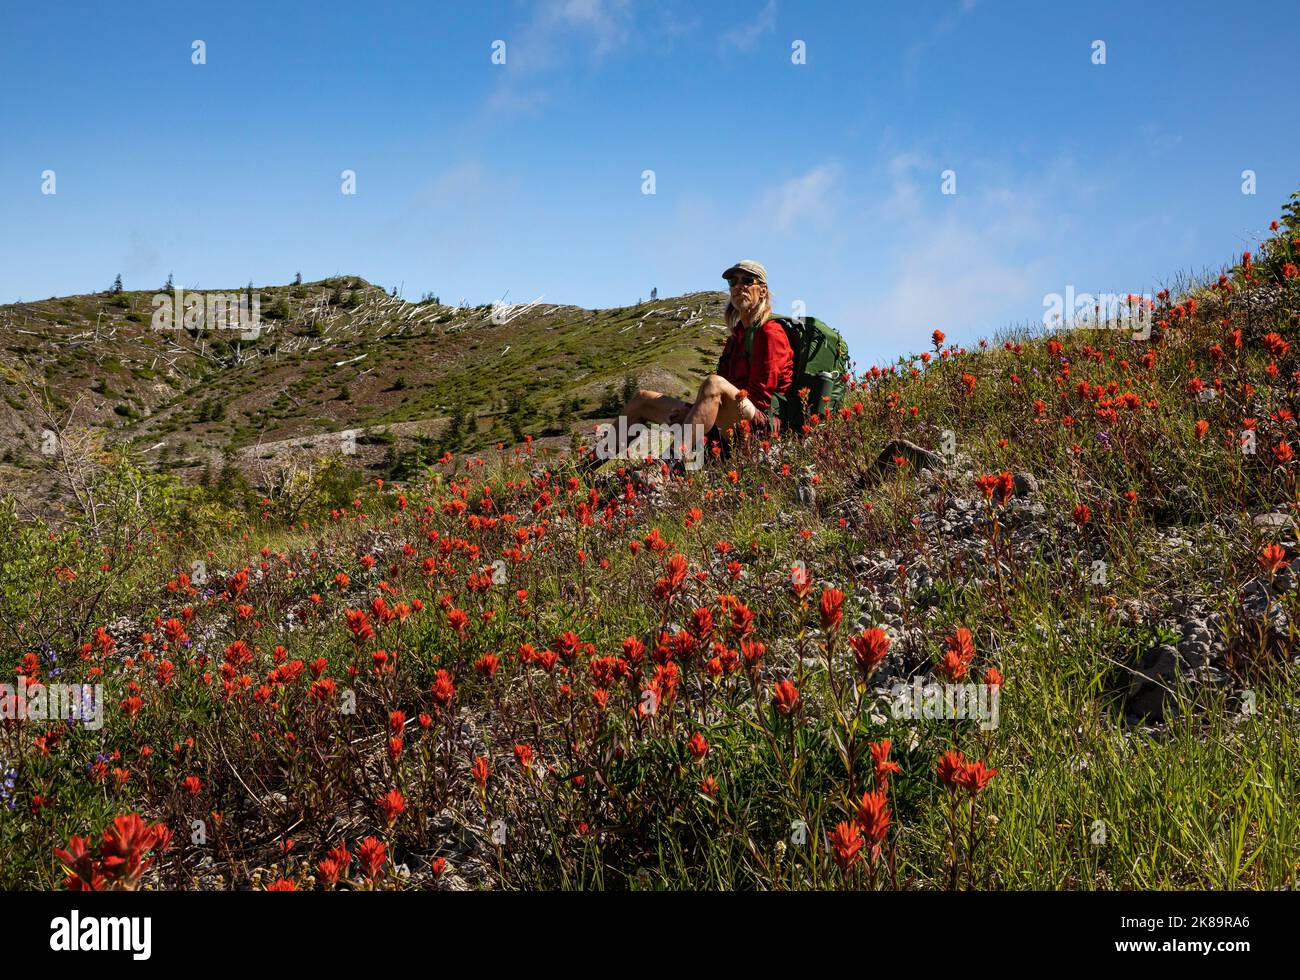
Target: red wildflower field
x=513 y=676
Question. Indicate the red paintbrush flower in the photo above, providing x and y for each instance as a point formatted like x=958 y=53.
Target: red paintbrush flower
x=480 y=772
x=974 y=776
x=79 y=861
x=950 y=768
x=330 y=869
x=633 y=650
x=567 y=645
x=359 y=624
x=702 y=622
x=443 y=690
x=1276 y=345
x=238 y=654
x=341 y=855
x=698 y=746
x=846 y=840
x=458 y=620
x=785 y=696
x=1273 y=557
x=957 y=656
x=372 y=853
x=125 y=847
x=752 y=651
x=392 y=803
x=873 y=818
x=832 y=608
x=869 y=649
x=884 y=767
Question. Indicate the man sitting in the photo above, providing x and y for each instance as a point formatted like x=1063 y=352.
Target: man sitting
x=748 y=374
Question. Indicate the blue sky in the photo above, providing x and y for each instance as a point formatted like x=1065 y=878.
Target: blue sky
x=481 y=181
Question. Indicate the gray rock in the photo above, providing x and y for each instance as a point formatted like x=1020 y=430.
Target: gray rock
x=1149 y=690
x=1255 y=599
x=1271 y=521
x=1026 y=484
x=1194 y=654
x=918 y=457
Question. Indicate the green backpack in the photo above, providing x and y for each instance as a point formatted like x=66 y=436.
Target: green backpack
x=821 y=359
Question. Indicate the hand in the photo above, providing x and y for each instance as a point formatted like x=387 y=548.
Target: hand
x=677 y=415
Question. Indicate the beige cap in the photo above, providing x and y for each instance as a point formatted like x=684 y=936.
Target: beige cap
x=748 y=265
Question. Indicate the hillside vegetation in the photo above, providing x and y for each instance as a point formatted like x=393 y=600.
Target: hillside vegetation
x=509 y=676
x=410 y=381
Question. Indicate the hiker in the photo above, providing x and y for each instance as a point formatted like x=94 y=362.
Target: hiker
x=766 y=371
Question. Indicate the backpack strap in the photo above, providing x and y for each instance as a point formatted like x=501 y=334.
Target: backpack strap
x=749 y=344
x=726 y=353
x=779 y=399
x=749 y=334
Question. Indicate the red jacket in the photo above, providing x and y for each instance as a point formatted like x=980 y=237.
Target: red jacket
x=772 y=369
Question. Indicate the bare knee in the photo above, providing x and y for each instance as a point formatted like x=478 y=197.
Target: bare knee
x=713 y=386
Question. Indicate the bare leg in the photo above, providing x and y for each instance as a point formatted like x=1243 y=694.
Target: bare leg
x=719 y=403
x=651 y=406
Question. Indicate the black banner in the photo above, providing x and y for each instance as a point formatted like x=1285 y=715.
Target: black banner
x=159 y=929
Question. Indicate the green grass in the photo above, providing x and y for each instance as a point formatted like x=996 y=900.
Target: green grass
x=1082 y=797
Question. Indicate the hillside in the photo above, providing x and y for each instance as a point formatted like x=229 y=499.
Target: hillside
x=414 y=380
x=508 y=677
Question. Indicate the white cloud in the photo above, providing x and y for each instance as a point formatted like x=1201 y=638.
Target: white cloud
x=965 y=260
x=954 y=273
x=558 y=31
x=944 y=25
x=808 y=198
x=674 y=28
x=747 y=34
x=607 y=22
x=906 y=170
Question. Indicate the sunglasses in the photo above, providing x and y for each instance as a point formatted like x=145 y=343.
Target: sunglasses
x=735 y=281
